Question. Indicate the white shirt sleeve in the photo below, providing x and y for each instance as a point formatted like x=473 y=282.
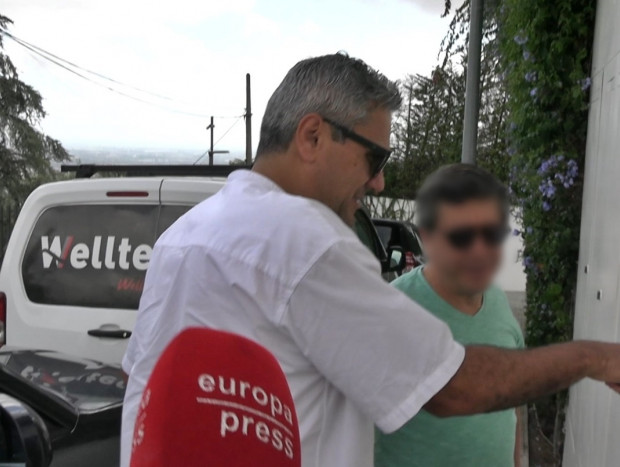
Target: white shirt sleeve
x=381 y=349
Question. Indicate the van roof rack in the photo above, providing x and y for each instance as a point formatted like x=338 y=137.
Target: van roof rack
x=88 y=170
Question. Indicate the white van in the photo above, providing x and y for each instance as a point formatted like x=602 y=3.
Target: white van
x=74 y=266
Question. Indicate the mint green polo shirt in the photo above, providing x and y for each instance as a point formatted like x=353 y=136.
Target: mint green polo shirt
x=472 y=441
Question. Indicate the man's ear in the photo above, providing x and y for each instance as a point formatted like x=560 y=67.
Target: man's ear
x=310 y=136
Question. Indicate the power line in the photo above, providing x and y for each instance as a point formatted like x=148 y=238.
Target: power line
x=66 y=65
x=100 y=75
x=227 y=131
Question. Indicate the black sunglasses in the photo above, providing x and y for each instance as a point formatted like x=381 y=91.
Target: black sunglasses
x=463 y=238
x=377 y=155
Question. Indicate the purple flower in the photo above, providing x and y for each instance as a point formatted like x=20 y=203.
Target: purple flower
x=549 y=164
x=530 y=76
x=521 y=40
x=528 y=262
x=511 y=151
x=527 y=55
x=516 y=232
x=546 y=206
x=533 y=92
x=547 y=188
x=529 y=230
x=585 y=83
x=573 y=169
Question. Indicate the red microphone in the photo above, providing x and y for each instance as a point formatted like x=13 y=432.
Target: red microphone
x=216 y=399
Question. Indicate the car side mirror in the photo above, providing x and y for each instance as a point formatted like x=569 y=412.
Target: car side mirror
x=397 y=259
x=24 y=438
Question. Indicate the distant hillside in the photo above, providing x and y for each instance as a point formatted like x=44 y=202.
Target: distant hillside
x=146 y=156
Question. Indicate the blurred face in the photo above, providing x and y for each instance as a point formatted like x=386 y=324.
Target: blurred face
x=346 y=166
x=465 y=247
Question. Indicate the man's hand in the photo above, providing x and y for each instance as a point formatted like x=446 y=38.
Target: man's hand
x=491 y=378
x=606 y=364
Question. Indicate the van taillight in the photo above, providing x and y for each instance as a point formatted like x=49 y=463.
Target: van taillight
x=2 y=319
x=127 y=194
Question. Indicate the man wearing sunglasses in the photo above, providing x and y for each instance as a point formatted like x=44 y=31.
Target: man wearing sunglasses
x=463 y=214
x=272 y=257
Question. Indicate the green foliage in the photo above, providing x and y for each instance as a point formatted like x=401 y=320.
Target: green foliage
x=546 y=58
x=428 y=130
x=26 y=154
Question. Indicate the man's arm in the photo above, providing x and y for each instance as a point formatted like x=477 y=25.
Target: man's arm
x=518 y=436
x=491 y=378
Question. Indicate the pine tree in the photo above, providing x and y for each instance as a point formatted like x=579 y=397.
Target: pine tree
x=26 y=154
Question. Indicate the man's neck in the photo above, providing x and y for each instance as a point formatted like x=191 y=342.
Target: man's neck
x=469 y=304
x=277 y=168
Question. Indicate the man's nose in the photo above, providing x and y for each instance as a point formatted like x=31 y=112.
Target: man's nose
x=376 y=184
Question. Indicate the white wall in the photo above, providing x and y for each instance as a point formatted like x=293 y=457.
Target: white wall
x=593 y=421
x=511 y=277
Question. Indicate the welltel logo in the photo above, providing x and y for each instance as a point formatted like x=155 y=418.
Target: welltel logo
x=99 y=254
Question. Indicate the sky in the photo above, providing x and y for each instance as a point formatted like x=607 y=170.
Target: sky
x=196 y=55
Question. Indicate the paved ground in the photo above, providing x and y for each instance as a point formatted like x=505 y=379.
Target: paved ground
x=517 y=303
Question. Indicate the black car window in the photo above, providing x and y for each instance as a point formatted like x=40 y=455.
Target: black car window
x=385 y=234
x=366 y=232
x=414 y=240
x=168 y=216
x=90 y=255
x=94 y=255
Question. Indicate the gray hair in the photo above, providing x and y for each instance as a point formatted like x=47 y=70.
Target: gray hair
x=336 y=86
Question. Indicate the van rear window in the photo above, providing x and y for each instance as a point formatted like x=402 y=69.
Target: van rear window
x=93 y=255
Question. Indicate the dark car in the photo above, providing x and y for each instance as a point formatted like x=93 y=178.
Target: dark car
x=58 y=411
x=391 y=257
x=402 y=235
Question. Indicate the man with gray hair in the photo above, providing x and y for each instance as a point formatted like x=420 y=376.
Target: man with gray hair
x=272 y=257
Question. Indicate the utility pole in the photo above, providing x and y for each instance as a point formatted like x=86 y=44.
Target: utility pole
x=409 y=125
x=211 y=127
x=248 y=121
x=472 y=89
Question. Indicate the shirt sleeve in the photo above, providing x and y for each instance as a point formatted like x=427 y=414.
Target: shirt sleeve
x=382 y=350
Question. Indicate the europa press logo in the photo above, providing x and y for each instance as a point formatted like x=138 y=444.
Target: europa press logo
x=252 y=412
x=100 y=253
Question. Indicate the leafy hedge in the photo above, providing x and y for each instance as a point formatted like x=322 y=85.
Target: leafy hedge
x=546 y=50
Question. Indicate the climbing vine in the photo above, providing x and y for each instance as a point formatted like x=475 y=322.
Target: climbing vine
x=546 y=55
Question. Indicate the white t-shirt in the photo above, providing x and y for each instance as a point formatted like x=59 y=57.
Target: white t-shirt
x=286 y=272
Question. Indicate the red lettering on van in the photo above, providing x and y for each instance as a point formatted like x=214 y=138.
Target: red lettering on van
x=65 y=251
x=130 y=284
